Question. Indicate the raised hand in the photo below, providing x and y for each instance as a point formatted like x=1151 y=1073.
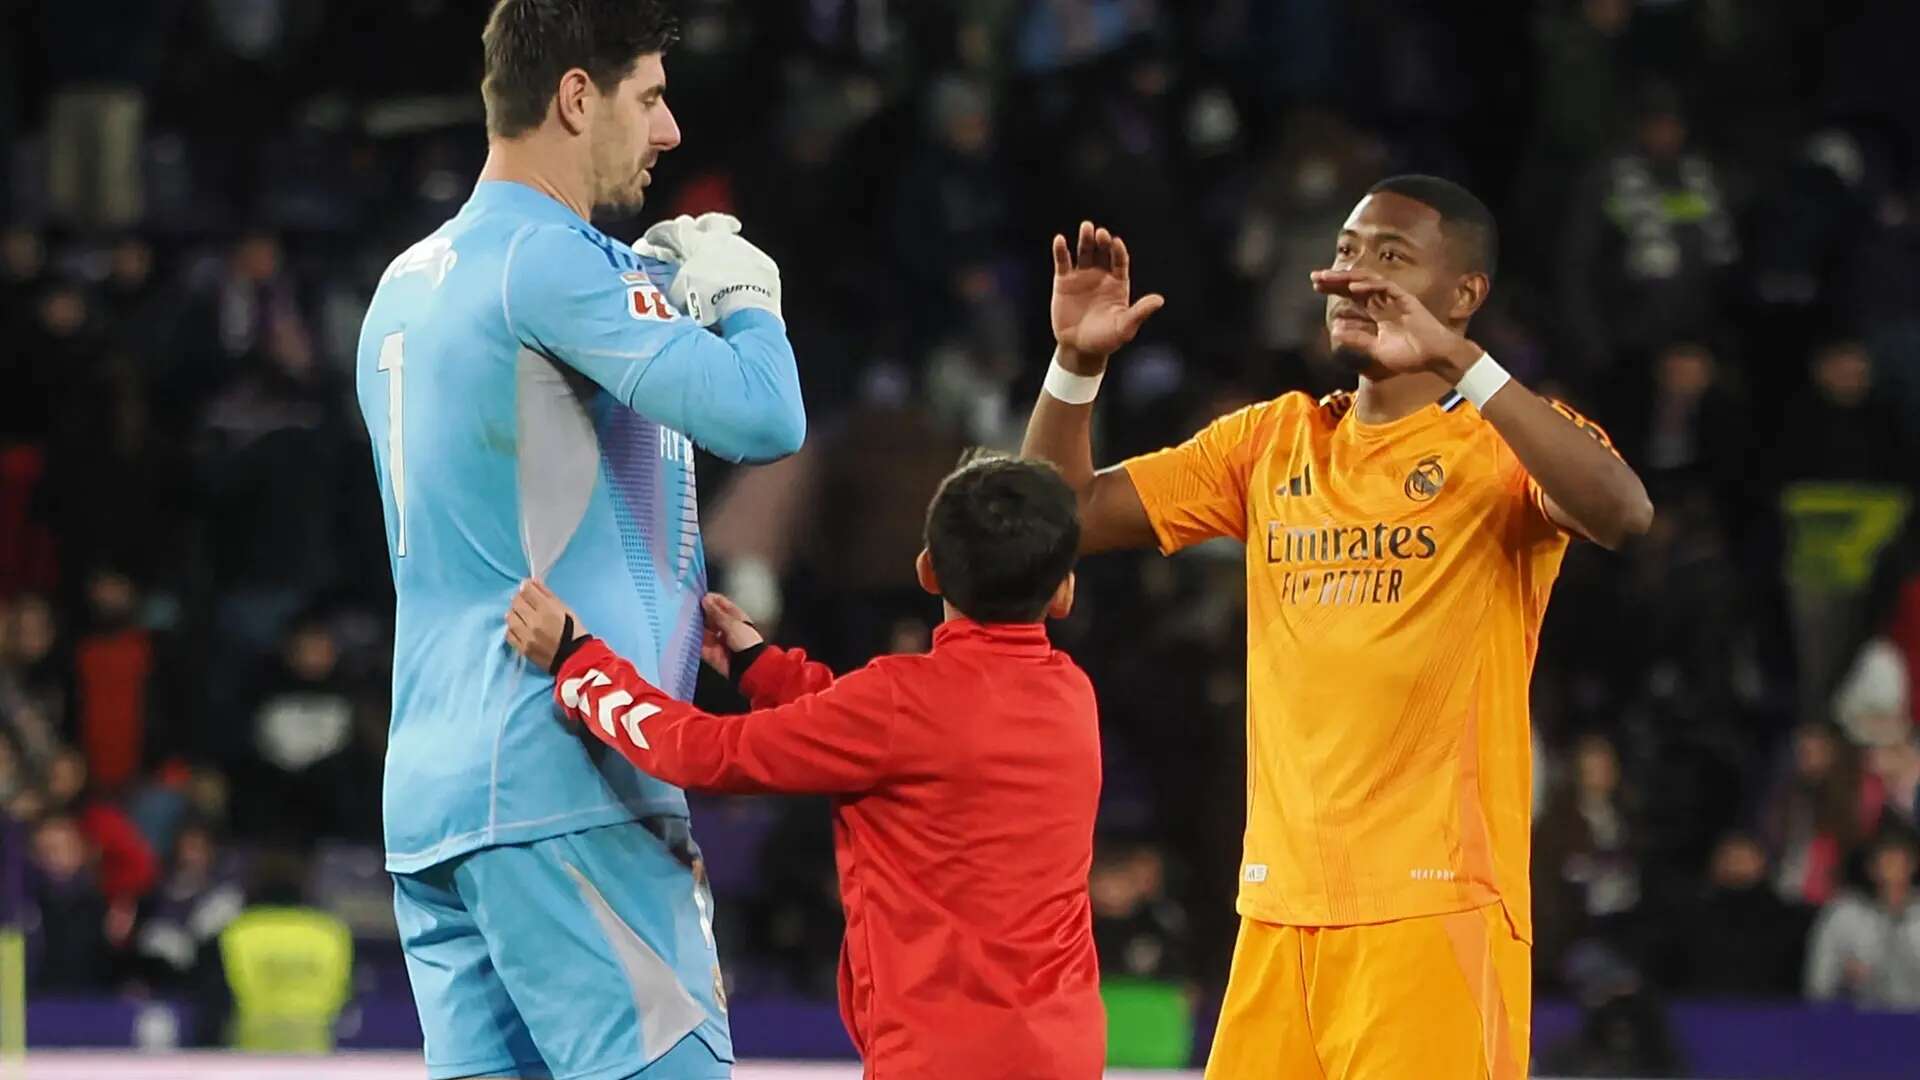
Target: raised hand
x=1091 y=291
x=1390 y=324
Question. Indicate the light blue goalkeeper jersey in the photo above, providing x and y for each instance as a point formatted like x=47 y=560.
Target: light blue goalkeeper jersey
x=533 y=403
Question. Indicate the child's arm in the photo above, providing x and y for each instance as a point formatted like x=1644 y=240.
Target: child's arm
x=770 y=675
x=832 y=742
x=766 y=674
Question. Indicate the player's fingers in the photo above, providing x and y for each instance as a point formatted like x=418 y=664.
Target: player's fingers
x=1084 y=250
x=1062 y=258
x=1142 y=310
x=1330 y=282
x=520 y=622
x=1122 y=261
x=722 y=607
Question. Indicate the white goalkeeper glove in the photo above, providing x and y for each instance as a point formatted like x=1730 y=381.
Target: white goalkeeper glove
x=672 y=239
x=720 y=272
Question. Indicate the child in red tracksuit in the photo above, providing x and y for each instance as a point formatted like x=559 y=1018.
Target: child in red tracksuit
x=964 y=780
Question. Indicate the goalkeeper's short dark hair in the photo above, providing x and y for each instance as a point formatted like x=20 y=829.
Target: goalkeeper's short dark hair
x=1003 y=533
x=529 y=44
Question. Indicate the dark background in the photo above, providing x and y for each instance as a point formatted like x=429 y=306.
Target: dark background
x=1710 y=246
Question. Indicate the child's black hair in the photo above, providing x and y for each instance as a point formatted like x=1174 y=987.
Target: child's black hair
x=1003 y=533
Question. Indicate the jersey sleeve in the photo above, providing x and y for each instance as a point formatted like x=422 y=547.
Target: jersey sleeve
x=836 y=741
x=737 y=393
x=778 y=676
x=1198 y=490
x=1528 y=489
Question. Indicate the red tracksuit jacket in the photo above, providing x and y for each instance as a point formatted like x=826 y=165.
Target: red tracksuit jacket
x=965 y=784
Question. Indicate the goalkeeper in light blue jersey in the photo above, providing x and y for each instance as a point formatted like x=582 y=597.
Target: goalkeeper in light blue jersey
x=534 y=391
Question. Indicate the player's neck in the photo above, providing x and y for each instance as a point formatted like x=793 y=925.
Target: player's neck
x=1382 y=401
x=525 y=161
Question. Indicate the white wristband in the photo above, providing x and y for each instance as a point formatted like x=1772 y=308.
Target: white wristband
x=1074 y=389
x=1483 y=380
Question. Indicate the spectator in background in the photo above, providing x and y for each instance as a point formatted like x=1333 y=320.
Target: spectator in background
x=1842 y=427
x=181 y=922
x=127 y=868
x=1579 y=46
x=1896 y=767
x=1848 y=465
x=800 y=924
x=58 y=360
x=113 y=664
x=1817 y=814
x=131 y=296
x=289 y=965
x=1065 y=33
x=953 y=206
x=1623 y=1029
x=1586 y=871
x=1139 y=930
x=1301 y=194
x=33 y=682
x=1694 y=438
x=71 y=954
x=867 y=524
x=1739 y=939
x=1871 y=703
x=23 y=274
x=277 y=415
x=13 y=771
x=102 y=55
x=244 y=311
x=1648 y=241
x=26 y=545
x=1893 y=606
x=1865 y=947
x=298 y=769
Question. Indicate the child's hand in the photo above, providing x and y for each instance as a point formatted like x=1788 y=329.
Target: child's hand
x=728 y=632
x=541 y=626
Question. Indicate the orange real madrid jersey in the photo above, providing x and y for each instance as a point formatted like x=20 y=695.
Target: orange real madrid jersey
x=1396 y=579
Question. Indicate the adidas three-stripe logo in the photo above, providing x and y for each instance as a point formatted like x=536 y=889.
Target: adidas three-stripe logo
x=1298 y=486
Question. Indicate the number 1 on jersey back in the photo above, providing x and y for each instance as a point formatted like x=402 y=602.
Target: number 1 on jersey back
x=393 y=355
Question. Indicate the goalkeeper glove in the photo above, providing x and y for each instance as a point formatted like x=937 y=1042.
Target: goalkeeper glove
x=673 y=239
x=720 y=272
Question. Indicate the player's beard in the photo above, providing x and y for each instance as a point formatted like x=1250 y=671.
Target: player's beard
x=1354 y=359
x=620 y=191
x=623 y=198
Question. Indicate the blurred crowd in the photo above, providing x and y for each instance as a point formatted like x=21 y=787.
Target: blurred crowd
x=1711 y=235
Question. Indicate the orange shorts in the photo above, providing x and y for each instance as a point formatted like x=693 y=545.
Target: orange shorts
x=1446 y=997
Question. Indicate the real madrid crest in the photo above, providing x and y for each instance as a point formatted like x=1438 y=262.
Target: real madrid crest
x=1426 y=479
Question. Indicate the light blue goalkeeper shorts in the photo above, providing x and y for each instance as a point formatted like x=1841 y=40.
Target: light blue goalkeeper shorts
x=587 y=956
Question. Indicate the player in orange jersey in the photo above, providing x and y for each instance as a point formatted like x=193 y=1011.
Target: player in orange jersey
x=1401 y=544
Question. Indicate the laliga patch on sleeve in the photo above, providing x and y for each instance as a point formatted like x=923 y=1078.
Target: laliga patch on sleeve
x=644 y=301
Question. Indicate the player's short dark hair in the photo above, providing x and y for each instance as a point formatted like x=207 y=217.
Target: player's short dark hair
x=1003 y=533
x=529 y=44
x=1464 y=219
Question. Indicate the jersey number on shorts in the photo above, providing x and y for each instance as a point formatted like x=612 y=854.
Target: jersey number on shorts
x=393 y=355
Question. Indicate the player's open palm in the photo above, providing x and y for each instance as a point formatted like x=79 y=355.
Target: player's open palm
x=1093 y=309
x=1398 y=331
